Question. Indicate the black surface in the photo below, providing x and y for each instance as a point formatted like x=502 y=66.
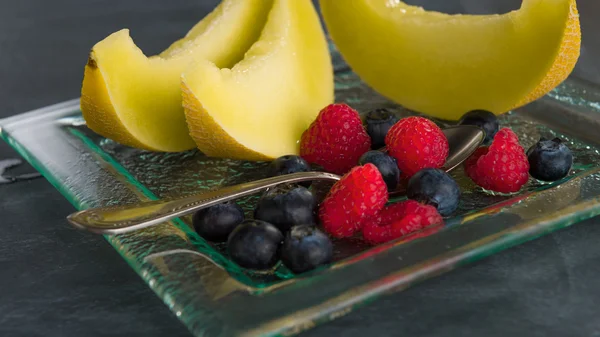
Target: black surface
x=60 y=282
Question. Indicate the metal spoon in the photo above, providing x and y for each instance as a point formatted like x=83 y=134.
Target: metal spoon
x=463 y=141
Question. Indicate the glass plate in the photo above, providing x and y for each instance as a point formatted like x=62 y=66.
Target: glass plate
x=214 y=297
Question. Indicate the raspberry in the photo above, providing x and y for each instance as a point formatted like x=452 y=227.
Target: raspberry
x=501 y=167
x=399 y=220
x=417 y=143
x=375 y=234
x=360 y=194
x=336 y=139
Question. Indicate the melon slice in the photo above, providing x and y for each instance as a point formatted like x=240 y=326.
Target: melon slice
x=258 y=109
x=446 y=65
x=136 y=100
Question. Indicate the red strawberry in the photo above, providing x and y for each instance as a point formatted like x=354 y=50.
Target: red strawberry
x=399 y=220
x=336 y=139
x=360 y=194
x=501 y=167
x=417 y=143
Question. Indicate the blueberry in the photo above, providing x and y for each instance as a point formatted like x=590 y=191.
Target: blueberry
x=483 y=119
x=217 y=222
x=549 y=160
x=386 y=165
x=306 y=248
x=288 y=164
x=379 y=123
x=287 y=205
x=255 y=244
x=434 y=187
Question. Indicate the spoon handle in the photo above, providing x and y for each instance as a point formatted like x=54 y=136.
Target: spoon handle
x=126 y=218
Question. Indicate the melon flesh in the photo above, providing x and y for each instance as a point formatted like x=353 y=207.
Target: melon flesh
x=446 y=65
x=136 y=100
x=258 y=109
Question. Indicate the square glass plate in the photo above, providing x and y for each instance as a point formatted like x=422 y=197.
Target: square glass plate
x=214 y=297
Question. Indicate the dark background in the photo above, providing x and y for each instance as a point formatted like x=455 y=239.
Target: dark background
x=56 y=281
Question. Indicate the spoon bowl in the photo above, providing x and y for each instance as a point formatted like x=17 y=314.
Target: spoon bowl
x=463 y=141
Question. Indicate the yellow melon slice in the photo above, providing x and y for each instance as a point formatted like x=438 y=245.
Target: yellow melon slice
x=258 y=109
x=446 y=65
x=136 y=100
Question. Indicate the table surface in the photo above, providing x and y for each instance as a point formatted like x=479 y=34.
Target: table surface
x=61 y=282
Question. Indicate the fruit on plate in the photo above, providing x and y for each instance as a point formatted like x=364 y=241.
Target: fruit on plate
x=483 y=119
x=434 y=187
x=255 y=244
x=287 y=165
x=549 y=160
x=286 y=206
x=306 y=248
x=217 y=222
x=136 y=100
x=417 y=143
x=359 y=195
x=398 y=220
x=445 y=65
x=258 y=109
x=378 y=123
x=336 y=139
x=387 y=166
x=501 y=167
